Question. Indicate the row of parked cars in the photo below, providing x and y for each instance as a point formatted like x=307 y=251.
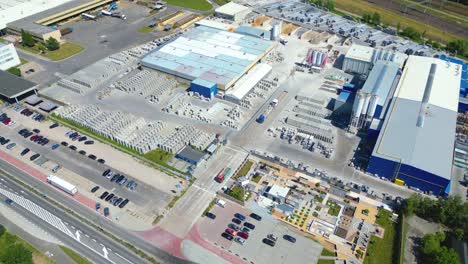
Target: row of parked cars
x=240 y=232
x=114 y=199
x=26 y=112
x=120 y=179
x=6 y=120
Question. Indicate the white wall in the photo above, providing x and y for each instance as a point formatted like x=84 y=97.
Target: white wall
x=8 y=57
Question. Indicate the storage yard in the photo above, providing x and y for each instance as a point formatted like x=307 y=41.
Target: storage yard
x=304 y=117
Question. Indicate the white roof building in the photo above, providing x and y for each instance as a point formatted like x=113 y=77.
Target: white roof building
x=247 y=82
x=360 y=59
x=12 y=10
x=232 y=11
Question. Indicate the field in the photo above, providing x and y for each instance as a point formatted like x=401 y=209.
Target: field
x=222 y=2
x=435 y=28
x=75 y=256
x=381 y=251
x=201 y=5
x=244 y=170
x=66 y=50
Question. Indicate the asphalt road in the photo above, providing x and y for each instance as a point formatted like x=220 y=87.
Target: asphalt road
x=79 y=209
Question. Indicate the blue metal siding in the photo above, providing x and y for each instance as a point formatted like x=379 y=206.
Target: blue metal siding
x=382 y=167
x=205 y=88
x=462 y=107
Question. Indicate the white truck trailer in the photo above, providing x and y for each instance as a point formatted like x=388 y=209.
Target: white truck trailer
x=62 y=184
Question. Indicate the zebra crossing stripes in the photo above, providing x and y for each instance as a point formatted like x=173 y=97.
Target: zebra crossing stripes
x=37 y=211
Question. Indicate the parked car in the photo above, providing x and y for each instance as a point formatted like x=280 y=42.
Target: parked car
x=94 y=189
x=89 y=142
x=54 y=125
x=35 y=156
x=103 y=195
x=289 y=238
x=256 y=216
x=117 y=202
x=210 y=215
x=125 y=202
x=36 y=131
x=56 y=168
x=272 y=237
x=44 y=141
x=123 y=181
x=115 y=177
x=24 y=152
x=227 y=236
x=106 y=211
x=98 y=206
x=91 y=156
x=101 y=161
x=269 y=242
x=240 y=240
x=249 y=225
x=230 y=231
x=8 y=201
x=106 y=172
x=245 y=229
x=113 y=199
x=237 y=221
x=109 y=197
x=83 y=138
x=33 y=138
x=5 y=141
x=55 y=146
x=243 y=235
x=239 y=216
x=72 y=147
x=64 y=143
x=82 y=152
x=121 y=177
x=10 y=146
x=233 y=227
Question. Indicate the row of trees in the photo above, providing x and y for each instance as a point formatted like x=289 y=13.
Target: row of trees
x=433 y=252
x=29 y=41
x=452 y=212
x=329 y=4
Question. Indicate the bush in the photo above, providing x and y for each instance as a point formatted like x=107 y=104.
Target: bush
x=2 y=230
x=14 y=70
x=27 y=39
x=52 y=44
x=16 y=253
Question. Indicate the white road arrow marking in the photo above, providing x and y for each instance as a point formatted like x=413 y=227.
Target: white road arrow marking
x=104 y=249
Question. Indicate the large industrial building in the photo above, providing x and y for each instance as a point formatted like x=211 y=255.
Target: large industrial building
x=232 y=11
x=8 y=56
x=44 y=22
x=371 y=100
x=416 y=141
x=360 y=59
x=214 y=55
x=243 y=87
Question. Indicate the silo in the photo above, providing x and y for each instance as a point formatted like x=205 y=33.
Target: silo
x=372 y=106
x=366 y=104
x=314 y=59
x=357 y=106
x=309 y=56
x=374 y=56
x=319 y=58
x=325 y=60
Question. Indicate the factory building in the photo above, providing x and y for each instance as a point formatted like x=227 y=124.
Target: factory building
x=210 y=54
x=371 y=100
x=232 y=11
x=245 y=84
x=8 y=56
x=254 y=32
x=360 y=59
x=204 y=88
x=43 y=23
x=416 y=141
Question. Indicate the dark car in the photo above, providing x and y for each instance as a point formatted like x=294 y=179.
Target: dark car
x=237 y=221
x=83 y=138
x=103 y=195
x=289 y=238
x=227 y=236
x=256 y=216
x=106 y=211
x=249 y=225
x=118 y=201
x=54 y=125
x=36 y=130
x=109 y=197
x=22 y=131
x=44 y=141
x=120 y=178
x=125 y=202
x=113 y=199
x=38 y=139
x=269 y=242
x=239 y=216
x=82 y=152
x=72 y=135
x=210 y=215
x=24 y=152
x=27 y=134
x=114 y=178
x=5 y=141
x=94 y=189
x=233 y=227
x=106 y=172
x=55 y=146
x=64 y=143
x=101 y=161
x=35 y=156
x=89 y=142
x=72 y=147
x=91 y=156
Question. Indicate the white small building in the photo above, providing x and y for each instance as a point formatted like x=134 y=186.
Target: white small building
x=232 y=11
x=247 y=82
x=360 y=59
x=8 y=56
x=276 y=193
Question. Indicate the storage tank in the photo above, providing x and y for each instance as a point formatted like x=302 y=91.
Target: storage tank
x=314 y=58
x=325 y=60
x=309 y=56
x=372 y=106
x=366 y=104
x=62 y=184
x=274 y=32
x=358 y=104
x=319 y=58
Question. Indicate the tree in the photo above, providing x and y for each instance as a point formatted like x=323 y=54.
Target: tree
x=434 y=253
x=460 y=46
x=376 y=18
x=2 y=230
x=27 y=39
x=398 y=27
x=52 y=44
x=331 y=5
x=411 y=33
x=41 y=47
x=16 y=253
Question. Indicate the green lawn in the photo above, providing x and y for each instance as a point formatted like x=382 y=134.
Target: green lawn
x=158 y=155
x=23 y=61
x=236 y=192
x=244 y=170
x=327 y=253
x=28 y=253
x=334 y=208
x=222 y=2
x=209 y=207
x=256 y=178
x=145 y=29
x=381 y=251
x=66 y=50
x=201 y=5
x=78 y=259
x=326 y=261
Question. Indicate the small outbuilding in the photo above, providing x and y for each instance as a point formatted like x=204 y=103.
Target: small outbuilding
x=191 y=155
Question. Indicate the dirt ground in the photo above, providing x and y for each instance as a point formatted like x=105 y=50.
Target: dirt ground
x=444 y=24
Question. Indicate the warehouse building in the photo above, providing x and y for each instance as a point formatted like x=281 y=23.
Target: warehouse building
x=210 y=54
x=232 y=11
x=204 y=88
x=245 y=84
x=376 y=93
x=360 y=59
x=191 y=155
x=416 y=142
x=44 y=24
x=8 y=56
x=15 y=88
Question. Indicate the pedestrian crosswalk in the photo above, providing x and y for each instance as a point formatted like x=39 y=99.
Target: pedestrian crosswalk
x=38 y=211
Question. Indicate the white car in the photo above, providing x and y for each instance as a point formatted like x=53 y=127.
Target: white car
x=239 y=240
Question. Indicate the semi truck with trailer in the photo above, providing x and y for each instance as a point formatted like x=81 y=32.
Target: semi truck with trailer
x=62 y=184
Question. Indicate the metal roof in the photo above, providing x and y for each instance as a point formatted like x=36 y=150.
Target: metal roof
x=203 y=83
x=420 y=126
x=371 y=55
x=381 y=80
x=243 y=86
x=191 y=154
x=255 y=32
x=14 y=86
x=231 y=9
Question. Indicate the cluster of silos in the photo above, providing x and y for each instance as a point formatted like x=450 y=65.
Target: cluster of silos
x=363 y=110
x=275 y=31
x=385 y=55
x=317 y=58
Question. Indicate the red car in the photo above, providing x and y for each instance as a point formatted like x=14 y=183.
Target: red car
x=7 y=121
x=230 y=231
x=244 y=235
x=34 y=137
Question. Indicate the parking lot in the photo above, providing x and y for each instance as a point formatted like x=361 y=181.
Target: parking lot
x=88 y=172
x=254 y=250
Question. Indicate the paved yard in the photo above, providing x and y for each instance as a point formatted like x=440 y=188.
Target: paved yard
x=254 y=250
